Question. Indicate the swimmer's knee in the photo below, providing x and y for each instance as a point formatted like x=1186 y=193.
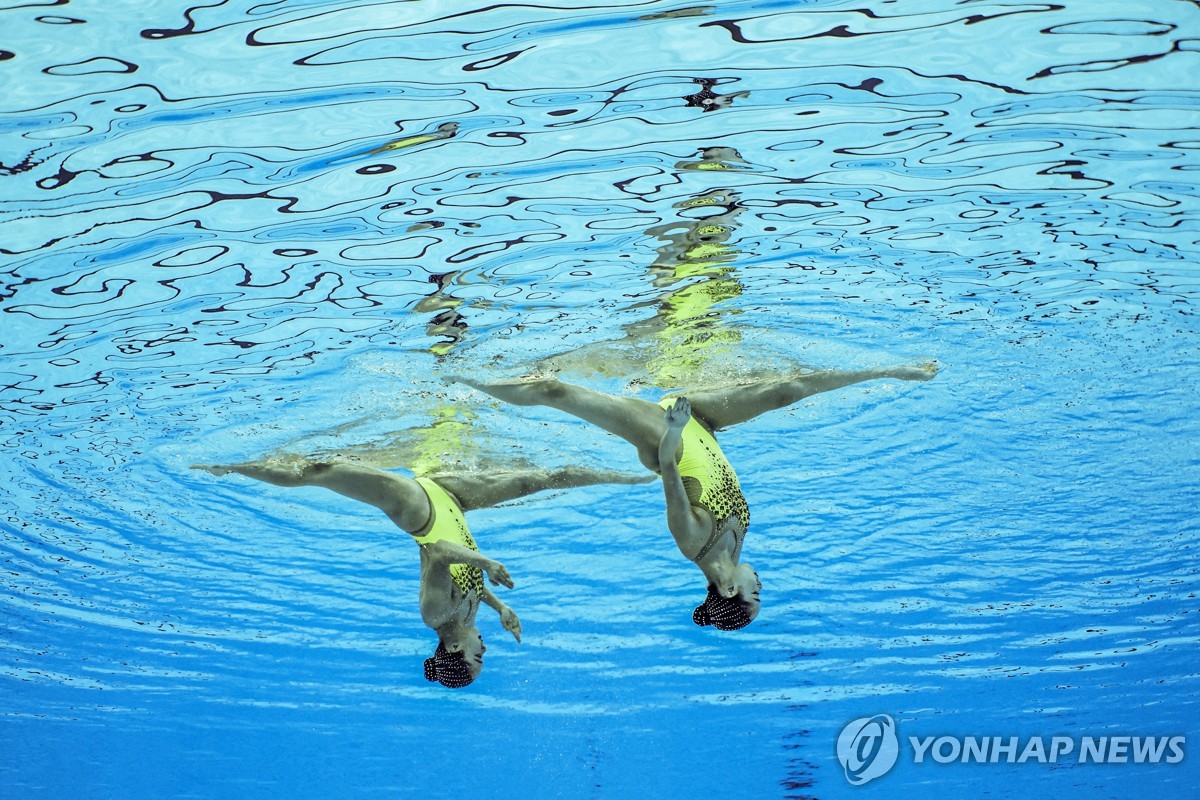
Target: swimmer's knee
x=315 y=469
x=555 y=390
x=649 y=458
x=785 y=394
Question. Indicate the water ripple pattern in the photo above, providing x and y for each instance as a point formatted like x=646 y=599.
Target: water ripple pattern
x=259 y=229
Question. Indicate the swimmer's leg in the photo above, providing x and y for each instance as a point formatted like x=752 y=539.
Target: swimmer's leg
x=402 y=499
x=483 y=491
x=724 y=407
x=639 y=422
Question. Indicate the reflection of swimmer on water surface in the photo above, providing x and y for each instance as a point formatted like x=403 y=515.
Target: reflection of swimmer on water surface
x=694 y=266
x=357 y=153
x=446 y=130
x=715 y=159
x=697 y=245
x=707 y=514
x=687 y=326
x=679 y=13
x=707 y=99
x=447 y=324
x=431 y=509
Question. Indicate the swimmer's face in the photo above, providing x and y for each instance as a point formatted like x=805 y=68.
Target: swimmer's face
x=472 y=648
x=747 y=584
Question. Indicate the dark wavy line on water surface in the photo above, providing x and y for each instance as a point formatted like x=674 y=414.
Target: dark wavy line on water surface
x=100 y=65
x=1180 y=46
x=734 y=27
x=1113 y=27
x=47 y=4
x=255 y=38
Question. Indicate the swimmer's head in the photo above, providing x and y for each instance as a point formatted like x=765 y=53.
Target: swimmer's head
x=732 y=606
x=455 y=668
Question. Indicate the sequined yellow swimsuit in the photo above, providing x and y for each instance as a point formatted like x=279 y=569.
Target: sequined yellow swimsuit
x=446 y=523
x=709 y=480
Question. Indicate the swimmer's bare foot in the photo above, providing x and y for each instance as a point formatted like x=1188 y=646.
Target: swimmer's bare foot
x=212 y=469
x=914 y=372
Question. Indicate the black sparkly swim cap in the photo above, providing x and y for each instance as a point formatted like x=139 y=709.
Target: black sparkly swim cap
x=723 y=613
x=448 y=669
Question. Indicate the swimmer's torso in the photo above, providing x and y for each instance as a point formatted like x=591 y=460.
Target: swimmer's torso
x=708 y=477
x=446 y=523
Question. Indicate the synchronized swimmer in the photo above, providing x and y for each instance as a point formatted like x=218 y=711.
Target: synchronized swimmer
x=431 y=511
x=707 y=514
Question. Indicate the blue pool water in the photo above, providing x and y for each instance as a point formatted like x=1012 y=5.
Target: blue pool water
x=266 y=229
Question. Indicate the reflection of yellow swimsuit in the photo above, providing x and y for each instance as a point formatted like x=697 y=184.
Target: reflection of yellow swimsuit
x=446 y=523
x=708 y=478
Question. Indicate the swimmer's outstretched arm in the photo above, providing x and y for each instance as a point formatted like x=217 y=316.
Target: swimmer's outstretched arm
x=484 y=491
x=446 y=553
x=402 y=499
x=508 y=617
x=720 y=408
x=688 y=526
x=437 y=582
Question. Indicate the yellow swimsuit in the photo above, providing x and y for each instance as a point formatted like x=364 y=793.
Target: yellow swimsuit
x=709 y=480
x=446 y=523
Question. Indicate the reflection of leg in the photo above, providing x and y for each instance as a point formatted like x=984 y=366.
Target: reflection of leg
x=638 y=422
x=724 y=407
x=482 y=491
x=402 y=499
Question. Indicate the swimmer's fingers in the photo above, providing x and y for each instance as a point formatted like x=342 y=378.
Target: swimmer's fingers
x=679 y=413
x=498 y=574
x=508 y=618
x=212 y=469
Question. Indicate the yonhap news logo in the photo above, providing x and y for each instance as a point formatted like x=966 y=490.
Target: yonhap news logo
x=868 y=748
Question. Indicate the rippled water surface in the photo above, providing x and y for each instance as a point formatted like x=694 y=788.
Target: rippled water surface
x=266 y=229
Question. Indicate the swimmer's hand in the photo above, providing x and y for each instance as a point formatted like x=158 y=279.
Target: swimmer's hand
x=497 y=573
x=679 y=414
x=508 y=618
x=212 y=469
